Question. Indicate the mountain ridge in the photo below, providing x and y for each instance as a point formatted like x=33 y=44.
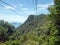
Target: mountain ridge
x=33 y=21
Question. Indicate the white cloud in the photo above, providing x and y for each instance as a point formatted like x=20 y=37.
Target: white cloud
x=24 y=9
x=44 y=6
x=12 y=18
x=28 y=11
x=12 y=7
x=40 y=7
x=8 y=7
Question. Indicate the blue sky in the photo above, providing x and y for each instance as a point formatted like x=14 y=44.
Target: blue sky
x=7 y=14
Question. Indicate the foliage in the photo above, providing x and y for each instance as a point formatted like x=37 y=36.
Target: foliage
x=37 y=30
x=5 y=30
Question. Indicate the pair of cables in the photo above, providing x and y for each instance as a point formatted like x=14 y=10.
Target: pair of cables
x=35 y=6
x=16 y=10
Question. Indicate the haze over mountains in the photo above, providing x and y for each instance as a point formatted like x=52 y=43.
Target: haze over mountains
x=16 y=24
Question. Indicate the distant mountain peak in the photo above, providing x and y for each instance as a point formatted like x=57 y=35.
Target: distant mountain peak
x=32 y=22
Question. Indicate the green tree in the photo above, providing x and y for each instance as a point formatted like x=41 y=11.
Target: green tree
x=6 y=30
x=55 y=23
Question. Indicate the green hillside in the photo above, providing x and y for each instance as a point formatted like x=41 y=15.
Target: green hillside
x=32 y=23
x=36 y=30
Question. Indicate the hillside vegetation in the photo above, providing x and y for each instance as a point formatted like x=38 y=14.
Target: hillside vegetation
x=36 y=30
x=32 y=23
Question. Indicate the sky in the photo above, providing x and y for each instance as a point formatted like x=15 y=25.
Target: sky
x=21 y=9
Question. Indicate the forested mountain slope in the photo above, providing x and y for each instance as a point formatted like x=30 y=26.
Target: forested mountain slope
x=32 y=23
x=37 y=30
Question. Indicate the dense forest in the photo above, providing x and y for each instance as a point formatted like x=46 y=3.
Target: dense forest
x=36 y=30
